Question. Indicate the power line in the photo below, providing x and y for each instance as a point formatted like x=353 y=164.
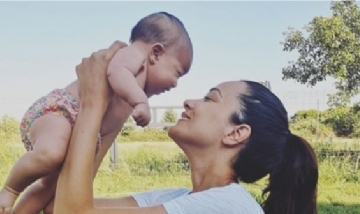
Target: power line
x=33 y=61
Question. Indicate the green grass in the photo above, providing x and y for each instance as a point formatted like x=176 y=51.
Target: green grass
x=147 y=166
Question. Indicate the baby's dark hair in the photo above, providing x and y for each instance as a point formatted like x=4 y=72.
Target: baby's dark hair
x=161 y=27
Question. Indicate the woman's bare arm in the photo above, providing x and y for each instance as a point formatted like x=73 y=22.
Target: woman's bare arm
x=74 y=193
x=76 y=176
x=127 y=201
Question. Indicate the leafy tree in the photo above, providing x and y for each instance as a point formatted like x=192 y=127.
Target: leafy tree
x=331 y=48
x=9 y=129
x=169 y=116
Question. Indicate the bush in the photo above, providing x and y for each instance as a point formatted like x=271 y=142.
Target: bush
x=305 y=115
x=147 y=161
x=145 y=135
x=9 y=129
x=126 y=131
x=343 y=120
x=340 y=121
x=311 y=128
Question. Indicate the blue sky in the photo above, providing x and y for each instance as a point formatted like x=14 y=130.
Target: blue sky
x=42 y=42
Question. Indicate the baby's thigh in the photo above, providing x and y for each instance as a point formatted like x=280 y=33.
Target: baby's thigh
x=50 y=135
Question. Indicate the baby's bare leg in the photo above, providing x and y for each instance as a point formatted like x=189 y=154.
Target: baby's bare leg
x=37 y=195
x=50 y=134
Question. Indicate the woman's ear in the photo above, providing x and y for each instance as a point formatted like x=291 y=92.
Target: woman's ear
x=157 y=50
x=236 y=135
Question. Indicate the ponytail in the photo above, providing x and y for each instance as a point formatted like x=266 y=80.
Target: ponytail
x=292 y=184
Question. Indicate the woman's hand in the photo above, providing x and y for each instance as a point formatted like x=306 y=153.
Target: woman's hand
x=94 y=90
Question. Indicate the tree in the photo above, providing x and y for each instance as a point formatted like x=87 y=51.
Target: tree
x=9 y=129
x=170 y=116
x=331 y=49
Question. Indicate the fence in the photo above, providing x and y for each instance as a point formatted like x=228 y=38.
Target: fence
x=154 y=123
x=154 y=116
x=293 y=102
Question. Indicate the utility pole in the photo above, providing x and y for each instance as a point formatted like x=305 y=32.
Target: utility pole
x=266 y=84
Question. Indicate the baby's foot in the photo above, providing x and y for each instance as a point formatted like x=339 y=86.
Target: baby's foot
x=7 y=199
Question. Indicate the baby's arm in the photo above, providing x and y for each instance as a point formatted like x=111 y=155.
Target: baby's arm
x=122 y=71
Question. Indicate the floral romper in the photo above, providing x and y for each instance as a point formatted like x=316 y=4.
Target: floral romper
x=59 y=102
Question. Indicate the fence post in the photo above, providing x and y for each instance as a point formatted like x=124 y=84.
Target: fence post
x=114 y=154
x=154 y=115
x=317 y=119
x=114 y=147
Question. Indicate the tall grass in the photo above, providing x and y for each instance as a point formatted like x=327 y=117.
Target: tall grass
x=147 y=166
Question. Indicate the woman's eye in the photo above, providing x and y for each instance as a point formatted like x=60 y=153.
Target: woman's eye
x=207 y=99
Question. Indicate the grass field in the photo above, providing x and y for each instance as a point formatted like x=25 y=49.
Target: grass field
x=146 y=166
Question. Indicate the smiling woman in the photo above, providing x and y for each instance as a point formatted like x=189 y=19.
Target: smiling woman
x=237 y=132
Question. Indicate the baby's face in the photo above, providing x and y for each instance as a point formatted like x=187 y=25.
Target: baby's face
x=164 y=73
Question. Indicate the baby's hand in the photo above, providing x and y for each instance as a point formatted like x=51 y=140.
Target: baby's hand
x=142 y=114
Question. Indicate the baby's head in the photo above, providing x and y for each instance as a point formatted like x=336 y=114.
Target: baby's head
x=169 y=50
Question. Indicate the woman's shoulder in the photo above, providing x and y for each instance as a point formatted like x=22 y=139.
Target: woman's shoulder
x=233 y=198
x=230 y=199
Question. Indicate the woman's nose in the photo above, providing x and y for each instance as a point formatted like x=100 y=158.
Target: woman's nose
x=189 y=104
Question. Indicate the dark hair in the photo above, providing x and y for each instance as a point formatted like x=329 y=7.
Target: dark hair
x=273 y=150
x=161 y=27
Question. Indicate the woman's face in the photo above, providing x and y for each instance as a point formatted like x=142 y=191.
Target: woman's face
x=205 y=122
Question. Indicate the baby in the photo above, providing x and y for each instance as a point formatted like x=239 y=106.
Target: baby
x=159 y=54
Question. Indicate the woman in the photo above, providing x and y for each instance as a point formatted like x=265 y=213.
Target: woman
x=237 y=132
